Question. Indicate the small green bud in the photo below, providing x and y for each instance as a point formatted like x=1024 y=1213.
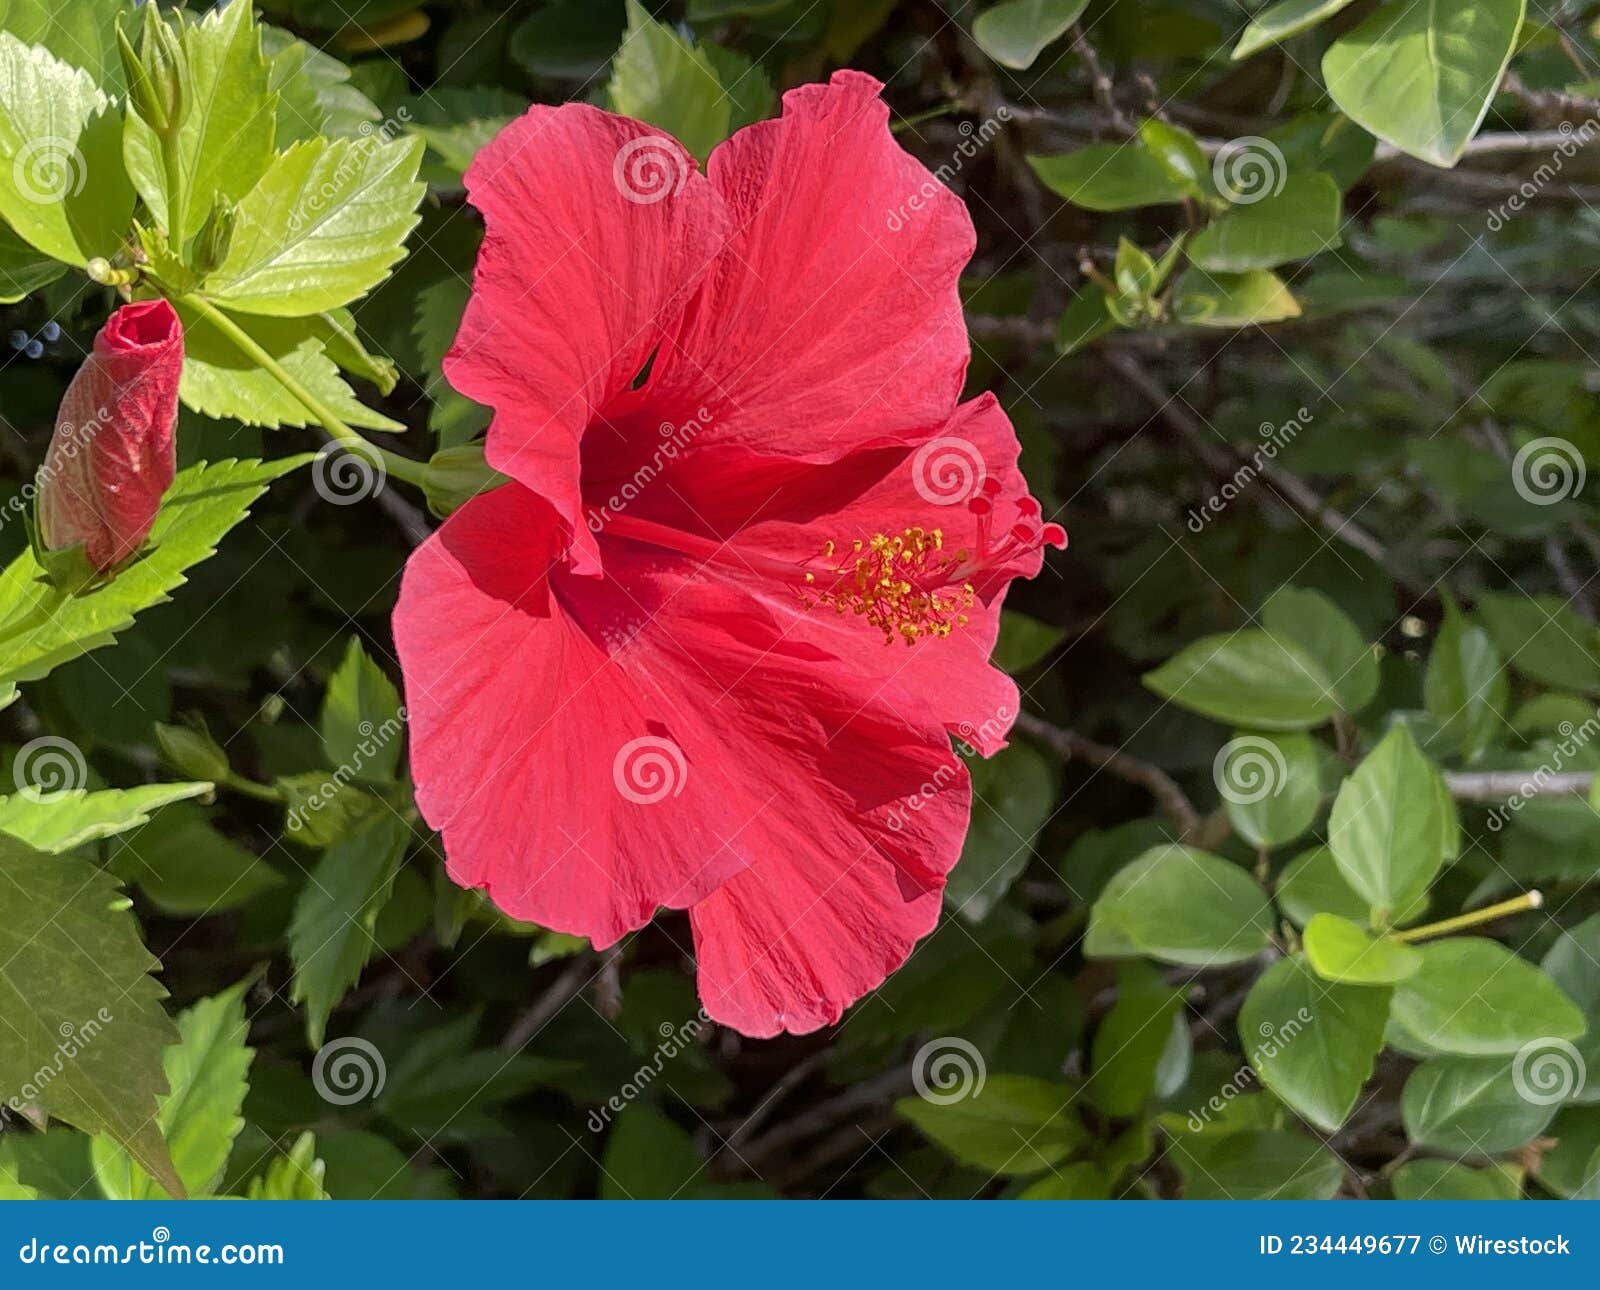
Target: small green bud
x=454 y=476
x=211 y=244
x=193 y=752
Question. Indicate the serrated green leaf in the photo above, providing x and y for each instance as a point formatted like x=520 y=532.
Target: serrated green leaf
x=208 y=1075
x=63 y=188
x=187 y=869
x=1012 y=1124
x=82 y=33
x=314 y=92
x=225 y=143
x=660 y=78
x=330 y=934
x=295 y=1176
x=322 y=227
x=42 y=628
x=82 y=1014
x=220 y=380
x=58 y=822
x=361 y=719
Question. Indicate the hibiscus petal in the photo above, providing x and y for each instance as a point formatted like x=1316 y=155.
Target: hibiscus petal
x=598 y=228
x=592 y=749
x=833 y=316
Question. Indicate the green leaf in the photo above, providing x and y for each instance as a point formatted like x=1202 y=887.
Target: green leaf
x=322 y=227
x=187 y=869
x=1465 y=687
x=1181 y=905
x=1110 y=177
x=1573 y=964
x=296 y=1176
x=1312 y=1043
x=648 y=1157
x=1442 y=1180
x=1248 y=678
x=22 y=269
x=1300 y=220
x=659 y=78
x=1324 y=631
x=1136 y=1043
x=1470 y=1106
x=1179 y=154
x=1312 y=884
x=1007 y=1124
x=91 y=1019
x=221 y=381
x=1422 y=76
x=330 y=934
x=1083 y=321
x=1339 y=950
x=1023 y=641
x=1543 y=638
x=1386 y=830
x=745 y=83
x=1232 y=299
x=80 y=32
x=1284 y=19
x=455 y=122
x=1270 y=785
x=42 y=628
x=208 y=1074
x=58 y=822
x=1016 y=32
x=314 y=92
x=225 y=143
x=361 y=719
x=1475 y=997
x=1266 y=1165
x=1081 y=1181
x=1012 y=796
x=63 y=188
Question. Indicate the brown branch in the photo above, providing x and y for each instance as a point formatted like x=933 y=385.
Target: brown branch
x=1075 y=747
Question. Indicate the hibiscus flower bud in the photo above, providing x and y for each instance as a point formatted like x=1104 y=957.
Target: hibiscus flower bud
x=113 y=454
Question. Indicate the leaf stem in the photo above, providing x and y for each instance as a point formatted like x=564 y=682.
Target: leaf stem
x=177 y=199
x=1516 y=905
x=400 y=467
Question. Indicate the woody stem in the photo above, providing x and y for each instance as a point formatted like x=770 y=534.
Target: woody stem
x=400 y=467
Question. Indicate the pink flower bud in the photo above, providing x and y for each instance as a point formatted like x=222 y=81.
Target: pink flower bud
x=113 y=454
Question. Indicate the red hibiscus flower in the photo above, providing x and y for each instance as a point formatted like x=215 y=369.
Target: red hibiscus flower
x=113 y=453
x=708 y=649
